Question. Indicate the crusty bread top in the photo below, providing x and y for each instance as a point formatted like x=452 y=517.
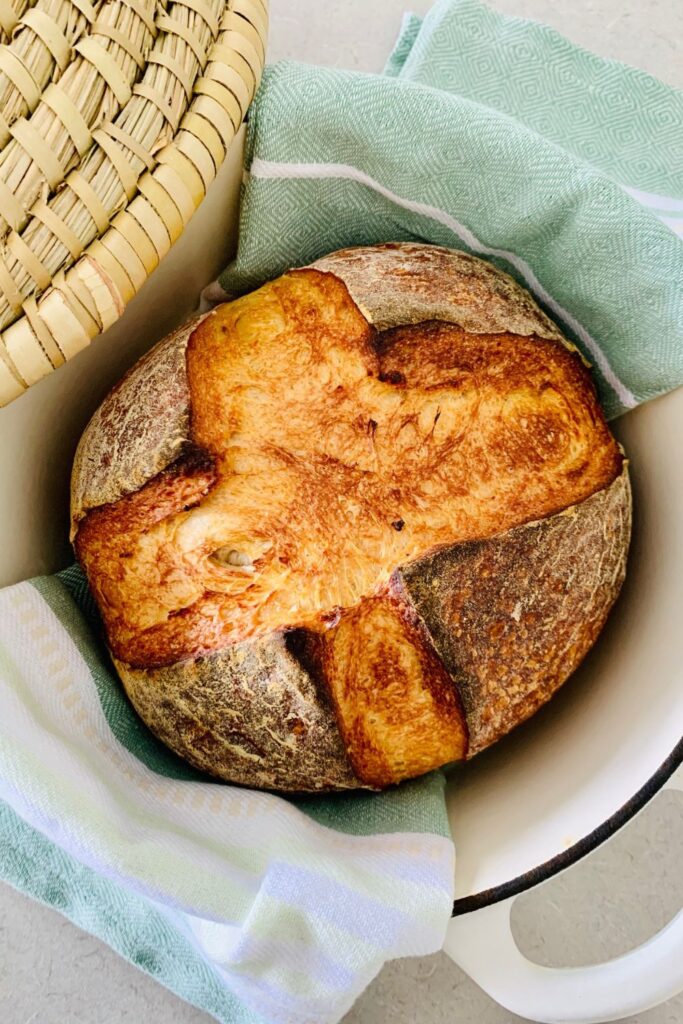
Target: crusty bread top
x=325 y=457
x=353 y=525
x=409 y=283
x=141 y=426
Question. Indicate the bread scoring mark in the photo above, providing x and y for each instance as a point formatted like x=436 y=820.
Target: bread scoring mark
x=317 y=452
x=397 y=708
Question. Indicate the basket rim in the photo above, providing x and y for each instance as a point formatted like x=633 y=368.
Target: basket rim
x=62 y=310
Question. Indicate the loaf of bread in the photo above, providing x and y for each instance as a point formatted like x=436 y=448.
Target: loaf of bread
x=354 y=525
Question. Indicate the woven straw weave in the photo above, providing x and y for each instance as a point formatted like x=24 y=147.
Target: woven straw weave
x=115 y=116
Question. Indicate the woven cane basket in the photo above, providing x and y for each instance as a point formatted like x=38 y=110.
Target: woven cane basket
x=115 y=116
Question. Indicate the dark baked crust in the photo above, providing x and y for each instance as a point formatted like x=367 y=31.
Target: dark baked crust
x=514 y=615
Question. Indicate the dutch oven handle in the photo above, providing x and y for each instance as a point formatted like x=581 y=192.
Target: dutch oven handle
x=482 y=944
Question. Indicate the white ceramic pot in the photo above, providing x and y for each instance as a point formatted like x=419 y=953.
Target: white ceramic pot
x=578 y=771
x=542 y=798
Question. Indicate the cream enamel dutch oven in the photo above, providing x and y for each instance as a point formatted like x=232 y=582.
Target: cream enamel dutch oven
x=540 y=799
x=585 y=765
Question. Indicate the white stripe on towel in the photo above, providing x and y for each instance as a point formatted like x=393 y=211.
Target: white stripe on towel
x=652 y=200
x=675 y=223
x=235 y=870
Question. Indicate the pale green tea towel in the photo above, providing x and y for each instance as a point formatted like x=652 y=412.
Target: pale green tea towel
x=497 y=136
x=248 y=905
x=243 y=903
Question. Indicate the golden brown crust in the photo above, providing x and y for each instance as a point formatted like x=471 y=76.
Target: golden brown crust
x=462 y=646
x=141 y=426
x=288 y=468
x=398 y=711
x=330 y=468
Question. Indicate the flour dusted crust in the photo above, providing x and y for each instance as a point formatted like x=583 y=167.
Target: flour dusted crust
x=355 y=525
x=409 y=283
x=138 y=430
x=250 y=713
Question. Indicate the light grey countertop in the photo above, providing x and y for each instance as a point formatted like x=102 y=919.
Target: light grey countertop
x=52 y=973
